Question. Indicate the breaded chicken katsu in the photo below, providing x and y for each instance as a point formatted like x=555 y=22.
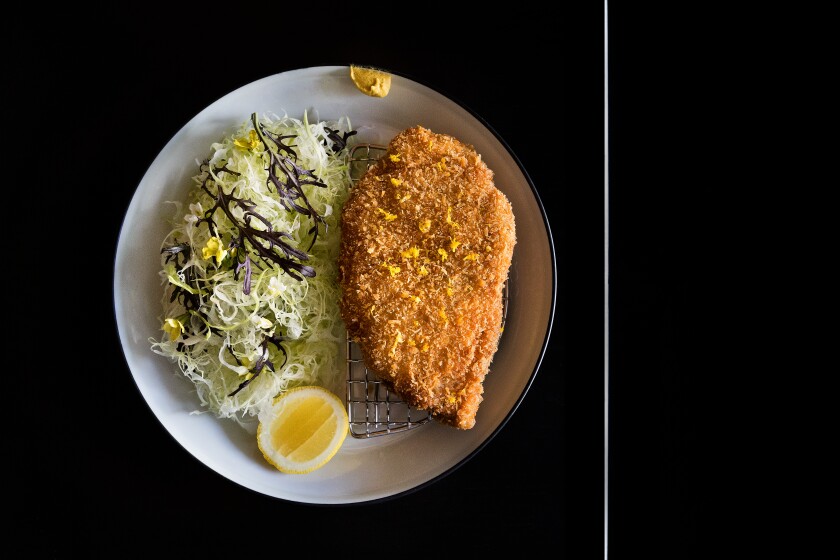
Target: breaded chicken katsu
x=426 y=244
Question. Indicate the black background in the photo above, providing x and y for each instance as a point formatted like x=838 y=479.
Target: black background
x=105 y=474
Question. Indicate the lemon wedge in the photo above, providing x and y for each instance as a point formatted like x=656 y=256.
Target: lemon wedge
x=302 y=429
x=371 y=82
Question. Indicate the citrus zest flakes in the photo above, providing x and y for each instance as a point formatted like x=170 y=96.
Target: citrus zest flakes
x=302 y=429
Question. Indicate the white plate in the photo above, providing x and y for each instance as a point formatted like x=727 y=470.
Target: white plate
x=364 y=469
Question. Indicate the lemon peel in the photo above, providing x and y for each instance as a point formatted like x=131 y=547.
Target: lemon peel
x=374 y=83
x=302 y=429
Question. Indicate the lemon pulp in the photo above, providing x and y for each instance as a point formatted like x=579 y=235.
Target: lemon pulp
x=302 y=429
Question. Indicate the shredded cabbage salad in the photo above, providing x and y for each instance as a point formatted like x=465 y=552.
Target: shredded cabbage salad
x=250 y=297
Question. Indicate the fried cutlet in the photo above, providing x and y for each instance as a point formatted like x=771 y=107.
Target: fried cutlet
x=426 y=244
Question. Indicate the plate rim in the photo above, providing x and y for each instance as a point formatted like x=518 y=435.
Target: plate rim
x=436 y=88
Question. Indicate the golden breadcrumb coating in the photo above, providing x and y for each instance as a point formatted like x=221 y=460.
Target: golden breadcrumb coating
x=426 y=244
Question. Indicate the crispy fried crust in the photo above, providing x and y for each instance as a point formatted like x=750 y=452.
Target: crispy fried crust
x=426 y=244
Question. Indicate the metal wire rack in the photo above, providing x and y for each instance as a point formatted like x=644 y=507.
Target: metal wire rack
x=373 y=409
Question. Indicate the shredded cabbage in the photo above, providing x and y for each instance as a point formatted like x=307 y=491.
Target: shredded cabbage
x=223 y=329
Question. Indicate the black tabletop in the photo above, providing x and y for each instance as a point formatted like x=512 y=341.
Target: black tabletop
x=114 y=472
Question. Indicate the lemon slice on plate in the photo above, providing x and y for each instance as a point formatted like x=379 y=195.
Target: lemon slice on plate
x=302 y=429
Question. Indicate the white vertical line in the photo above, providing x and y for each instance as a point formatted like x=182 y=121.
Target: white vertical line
x=606 y=291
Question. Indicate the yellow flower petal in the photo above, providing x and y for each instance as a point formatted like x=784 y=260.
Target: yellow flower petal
x=249 y=143
x=392 y=269
x=411 y=253
x=449 y=218
x=214 y=248
x=174 y=328
x=388 y=216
